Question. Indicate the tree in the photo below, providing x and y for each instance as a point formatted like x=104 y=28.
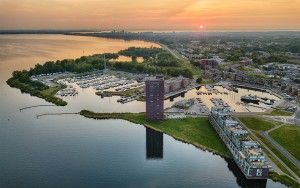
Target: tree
x=199 y=80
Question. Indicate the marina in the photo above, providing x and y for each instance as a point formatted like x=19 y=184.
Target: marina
x=69 y=91
x=128 y=87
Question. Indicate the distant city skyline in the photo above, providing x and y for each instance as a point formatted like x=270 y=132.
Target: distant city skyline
x=170 y=15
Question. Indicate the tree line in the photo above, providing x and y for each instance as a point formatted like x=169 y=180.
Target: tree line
x=156 y=61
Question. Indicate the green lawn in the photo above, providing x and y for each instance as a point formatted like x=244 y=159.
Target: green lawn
x=196 y=131
x=289 y=138
x=52 y=90
x=49 y=95
x=284 y=179
x=257 y=124
x=279 y=155
x=278 y=112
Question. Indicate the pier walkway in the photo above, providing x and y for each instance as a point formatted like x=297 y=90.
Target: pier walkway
x=178 y=92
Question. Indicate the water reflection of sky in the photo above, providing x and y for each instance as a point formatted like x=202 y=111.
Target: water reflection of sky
x=128 y=59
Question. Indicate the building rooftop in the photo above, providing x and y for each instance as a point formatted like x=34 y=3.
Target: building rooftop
x=154 y=78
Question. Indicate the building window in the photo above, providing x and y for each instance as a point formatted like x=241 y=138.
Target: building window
x=259 y=172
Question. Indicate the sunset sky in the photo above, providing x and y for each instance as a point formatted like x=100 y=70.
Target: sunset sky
x=151 y=14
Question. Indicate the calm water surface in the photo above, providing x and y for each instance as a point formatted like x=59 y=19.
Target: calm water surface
x=72 y=151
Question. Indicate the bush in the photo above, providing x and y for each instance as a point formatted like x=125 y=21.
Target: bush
x=284 y=179
x=199 y=80
x=22 y=81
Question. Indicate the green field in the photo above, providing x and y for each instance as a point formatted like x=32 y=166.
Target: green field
x=278 y=112
x=196 y=131
x=279 y=155
x=283 y=179
x=49 y=95
x=257 y=124
x=289 y=138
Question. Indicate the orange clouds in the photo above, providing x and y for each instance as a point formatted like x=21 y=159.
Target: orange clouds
x=150 y=15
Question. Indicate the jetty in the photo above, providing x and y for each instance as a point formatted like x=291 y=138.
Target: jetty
x=56 y=114
x=35 y=106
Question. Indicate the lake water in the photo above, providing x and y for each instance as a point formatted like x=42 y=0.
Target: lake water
x=72 y=151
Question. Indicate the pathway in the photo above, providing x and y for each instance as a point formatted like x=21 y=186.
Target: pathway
x=295 y=176
x=281 y=149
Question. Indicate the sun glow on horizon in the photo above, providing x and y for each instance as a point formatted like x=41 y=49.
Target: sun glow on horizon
x=154 y=15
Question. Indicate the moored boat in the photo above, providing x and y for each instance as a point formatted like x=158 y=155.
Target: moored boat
x=250 y=99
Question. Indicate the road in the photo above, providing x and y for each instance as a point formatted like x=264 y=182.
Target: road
x=281 y=149
x=171 y=94
x=282 y=119
x=186 y=62
x=295 y=176
x=172 y=52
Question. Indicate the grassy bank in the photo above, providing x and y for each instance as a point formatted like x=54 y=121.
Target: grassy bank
x=257 y=124
x=288 y=137
x=279 y=155
x=195 y=131
x=284 y=180
x=37 y=89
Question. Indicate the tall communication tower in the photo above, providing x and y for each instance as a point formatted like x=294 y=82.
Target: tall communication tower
x=104 y=70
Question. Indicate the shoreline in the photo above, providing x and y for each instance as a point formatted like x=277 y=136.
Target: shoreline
x=125 y=116
x=281 y=178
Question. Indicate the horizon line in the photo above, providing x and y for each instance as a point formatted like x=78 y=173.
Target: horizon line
x=159 y=31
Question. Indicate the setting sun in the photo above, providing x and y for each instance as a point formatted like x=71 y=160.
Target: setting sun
x=154 y=15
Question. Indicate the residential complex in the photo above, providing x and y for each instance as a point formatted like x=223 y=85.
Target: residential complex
x=247 y=153
x=154 y=91
x=176 y=83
